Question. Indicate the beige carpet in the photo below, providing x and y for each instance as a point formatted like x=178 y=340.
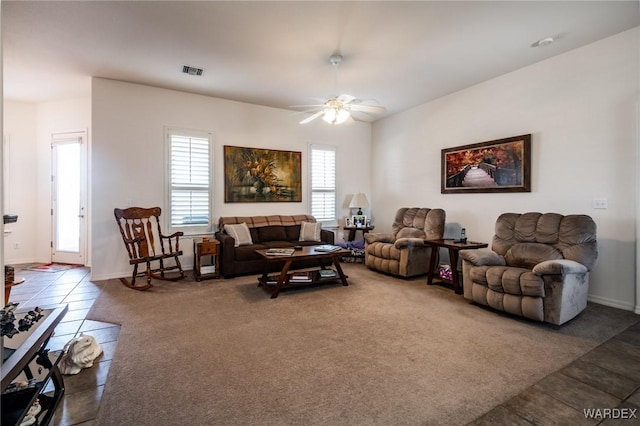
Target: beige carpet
x=380 y=351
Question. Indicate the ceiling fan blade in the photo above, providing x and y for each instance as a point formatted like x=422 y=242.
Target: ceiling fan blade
x=346 y=99
x=307 y=106
x=312 y=117
x=368 y=108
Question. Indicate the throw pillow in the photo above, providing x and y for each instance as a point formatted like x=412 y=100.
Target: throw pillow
x=310 y=231
x=240 y=234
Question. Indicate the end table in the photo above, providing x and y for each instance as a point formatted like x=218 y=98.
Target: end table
x=203 y=248
x=454 y=248
x=352 y=231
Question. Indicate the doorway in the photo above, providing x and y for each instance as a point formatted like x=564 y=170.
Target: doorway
x=68 y=197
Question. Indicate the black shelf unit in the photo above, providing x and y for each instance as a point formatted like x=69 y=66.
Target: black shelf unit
x=28 y=360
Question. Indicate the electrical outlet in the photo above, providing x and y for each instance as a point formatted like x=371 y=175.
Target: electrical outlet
x=599 y=203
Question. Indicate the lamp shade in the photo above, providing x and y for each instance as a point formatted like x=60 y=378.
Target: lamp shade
x=359 y=200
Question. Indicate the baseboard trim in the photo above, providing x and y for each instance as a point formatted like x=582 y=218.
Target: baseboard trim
x=614 y=303
x=18 y=262
x=118 y=275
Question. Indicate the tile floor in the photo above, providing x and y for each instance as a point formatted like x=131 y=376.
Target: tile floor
x=606 y=379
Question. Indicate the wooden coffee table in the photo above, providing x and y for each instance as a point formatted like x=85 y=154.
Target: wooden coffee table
x=306 y=253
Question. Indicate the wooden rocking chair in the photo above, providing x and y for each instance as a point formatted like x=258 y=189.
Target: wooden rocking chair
x=137 y=229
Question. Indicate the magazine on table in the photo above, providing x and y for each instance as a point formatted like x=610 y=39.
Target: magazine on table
x=279 y=252
x=326 y=247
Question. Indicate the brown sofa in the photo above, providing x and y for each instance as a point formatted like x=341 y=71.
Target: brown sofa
x=276 y=231
x=538 y=266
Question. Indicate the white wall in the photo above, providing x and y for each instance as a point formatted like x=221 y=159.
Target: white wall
x=580 y=108
x=20 y=181
x=128 y=163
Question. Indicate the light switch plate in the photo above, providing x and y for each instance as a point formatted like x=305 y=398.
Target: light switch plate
x=599 y=203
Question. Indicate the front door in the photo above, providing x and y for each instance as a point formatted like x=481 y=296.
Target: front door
x=68 y=199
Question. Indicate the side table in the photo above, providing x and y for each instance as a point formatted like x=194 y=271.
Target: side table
x=352 y=231
x=7 y=289
x=454 y=253
x=203 y=248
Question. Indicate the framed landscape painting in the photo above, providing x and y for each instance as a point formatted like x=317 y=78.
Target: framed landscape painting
x=502 y=165
x=254 y=175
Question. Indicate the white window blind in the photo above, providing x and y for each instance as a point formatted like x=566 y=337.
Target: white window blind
x=190 y=180
x=323 y=183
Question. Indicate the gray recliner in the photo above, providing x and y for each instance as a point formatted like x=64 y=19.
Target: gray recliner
x=403 y=252
x=538 y=266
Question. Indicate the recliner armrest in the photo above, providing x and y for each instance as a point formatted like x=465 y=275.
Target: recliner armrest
x=559 y=267
x=379 y=238
x=409 y=242
x=483 y=257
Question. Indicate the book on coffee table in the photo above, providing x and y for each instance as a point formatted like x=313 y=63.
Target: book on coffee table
x=280 y=252
x=300 y=277
x=326 y=247
x=327 y=273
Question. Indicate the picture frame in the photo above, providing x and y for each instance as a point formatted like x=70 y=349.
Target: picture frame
x=255 y=175
x=502 y=165
x=347 y=222
x=359 y=221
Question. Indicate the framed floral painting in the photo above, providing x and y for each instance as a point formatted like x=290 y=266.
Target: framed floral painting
x=254 y=175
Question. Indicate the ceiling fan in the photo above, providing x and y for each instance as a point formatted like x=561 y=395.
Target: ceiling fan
x=338 y=109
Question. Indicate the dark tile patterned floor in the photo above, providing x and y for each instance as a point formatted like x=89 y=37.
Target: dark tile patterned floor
x=600 y=388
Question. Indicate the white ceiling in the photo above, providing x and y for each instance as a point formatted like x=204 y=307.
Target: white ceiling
x=276 y=54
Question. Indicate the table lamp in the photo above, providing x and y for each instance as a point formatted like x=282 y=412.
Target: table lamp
x=359 y=201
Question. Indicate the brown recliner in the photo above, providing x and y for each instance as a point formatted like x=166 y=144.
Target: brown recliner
x=538 y=266
x=403 y=252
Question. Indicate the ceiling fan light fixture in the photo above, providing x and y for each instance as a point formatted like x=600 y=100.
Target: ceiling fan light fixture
x=335 y=114
x=343 y=115
x=337 y=110
x=329 y=115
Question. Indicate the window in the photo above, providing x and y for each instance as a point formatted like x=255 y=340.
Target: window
x=189 y=180
x=323 y=183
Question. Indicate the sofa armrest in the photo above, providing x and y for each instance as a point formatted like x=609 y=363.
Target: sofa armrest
x=559 y=267
x=227 y=252
x=379 y=238
x=327 y=236
x=402 y=243
x=483 y=257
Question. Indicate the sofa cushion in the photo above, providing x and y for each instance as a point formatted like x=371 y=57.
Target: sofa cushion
x=278 y=244
x=511 y=280
x=293 y=232
x=255 y=237
x=310 y=231
x=528 y=255
x=240 y=233
x=272 y=233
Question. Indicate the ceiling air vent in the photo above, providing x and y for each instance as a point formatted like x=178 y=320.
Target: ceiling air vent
x=192 y=70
